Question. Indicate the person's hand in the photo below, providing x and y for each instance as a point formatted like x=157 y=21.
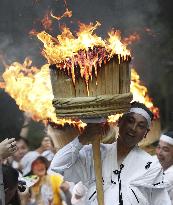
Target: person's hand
x=65 y=186
x=7 y=148
x=91 y=131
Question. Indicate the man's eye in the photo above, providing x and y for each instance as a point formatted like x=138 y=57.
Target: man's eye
x=130 y=119
x=142 y=126
x=165 y=150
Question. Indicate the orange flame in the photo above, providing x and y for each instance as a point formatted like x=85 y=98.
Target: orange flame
x=85 y=49
x=31 y=89
x=140 y=93
x=67 y=13
x=47 y=22
x=130 y=39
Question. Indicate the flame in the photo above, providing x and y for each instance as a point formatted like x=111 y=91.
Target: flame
x=114 y=118
x=130 y=39
x=67 y=13
x=47 y=22
x=85 y=49
x=140 y=93
x=31 y=89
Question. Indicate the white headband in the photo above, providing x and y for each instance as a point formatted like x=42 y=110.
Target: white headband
x=143 y=113
x=167 y=139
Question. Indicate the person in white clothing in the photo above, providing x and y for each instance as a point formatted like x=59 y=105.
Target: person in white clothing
x=79 y=194
x=130 y=175
x=164 y=153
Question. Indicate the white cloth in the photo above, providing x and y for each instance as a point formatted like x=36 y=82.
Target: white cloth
x=29 y=157
x=27 y=160
x=80 y=190
x=141 y=177
x=167 y=139
x=168 y=178
x=48 y=154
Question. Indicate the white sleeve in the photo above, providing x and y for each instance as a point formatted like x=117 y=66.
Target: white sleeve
x=160 y=197
x=66 y=157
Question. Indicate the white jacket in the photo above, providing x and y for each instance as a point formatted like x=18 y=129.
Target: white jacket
x=138 y=181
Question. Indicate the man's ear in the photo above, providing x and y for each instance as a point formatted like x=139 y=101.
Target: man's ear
x=146 y=133
x=119 y=121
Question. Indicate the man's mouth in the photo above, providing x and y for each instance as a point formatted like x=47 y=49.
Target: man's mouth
x=160 y=159
x=130 y=135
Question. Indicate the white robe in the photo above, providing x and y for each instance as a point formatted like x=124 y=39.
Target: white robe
x=141 y=178
x=168 y=178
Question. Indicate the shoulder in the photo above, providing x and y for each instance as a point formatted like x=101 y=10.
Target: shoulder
x=149 y=173
x=147 y=160
x=106 y=150
x=106 y=147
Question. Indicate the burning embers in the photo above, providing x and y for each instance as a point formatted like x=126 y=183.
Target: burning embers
x=31 y=87
x=85 y=50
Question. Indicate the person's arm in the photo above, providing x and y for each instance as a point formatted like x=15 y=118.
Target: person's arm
x=72 y=162
x=66 y=157
x=65 y=187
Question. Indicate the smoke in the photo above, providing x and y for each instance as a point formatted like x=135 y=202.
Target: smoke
x=20 y=16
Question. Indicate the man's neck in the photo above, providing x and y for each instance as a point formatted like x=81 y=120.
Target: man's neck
x=167 y=167
x=122 y=151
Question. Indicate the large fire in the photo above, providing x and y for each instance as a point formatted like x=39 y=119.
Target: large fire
x=31 y=87
x=140 y=93
x=32 y=91
x=85 y=49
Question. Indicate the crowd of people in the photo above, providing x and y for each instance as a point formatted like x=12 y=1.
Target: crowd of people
x=129 y=174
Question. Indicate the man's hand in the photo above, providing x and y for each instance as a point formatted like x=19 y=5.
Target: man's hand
x=65 y=186
x=91 y=131
x=7 y=148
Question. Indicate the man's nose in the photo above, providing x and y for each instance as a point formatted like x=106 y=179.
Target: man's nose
x=134 y=126
x=159 y=152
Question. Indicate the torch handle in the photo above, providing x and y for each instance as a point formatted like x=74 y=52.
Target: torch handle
x=98 y=169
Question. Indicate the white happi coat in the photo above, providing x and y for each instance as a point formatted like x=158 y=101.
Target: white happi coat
x=168 y=178
x=138 y=180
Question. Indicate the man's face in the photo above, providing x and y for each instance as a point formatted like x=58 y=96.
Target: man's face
x=46 y=143
x=22 y=149
x=133 y=128
x=164 y=153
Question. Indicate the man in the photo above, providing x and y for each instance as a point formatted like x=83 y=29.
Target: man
x=130 y=175
x=7 y=148
x=22 y=149
x=164 y=153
